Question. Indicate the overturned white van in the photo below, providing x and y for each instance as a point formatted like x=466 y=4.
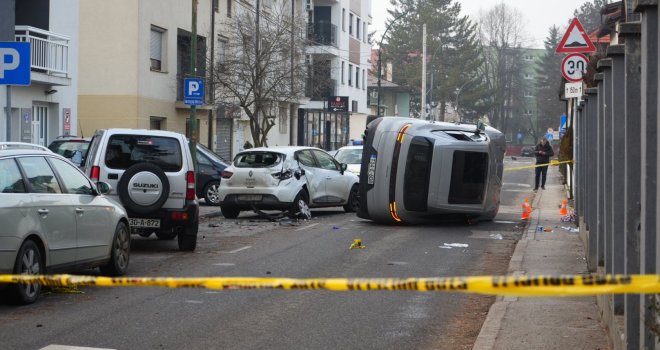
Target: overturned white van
x=416 y=171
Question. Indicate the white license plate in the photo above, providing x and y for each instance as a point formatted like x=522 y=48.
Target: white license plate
x=250 y=182
x=249 y=197
x=371 y=174
x=150 y=223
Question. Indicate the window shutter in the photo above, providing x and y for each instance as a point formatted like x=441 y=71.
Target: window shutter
x=156 y=44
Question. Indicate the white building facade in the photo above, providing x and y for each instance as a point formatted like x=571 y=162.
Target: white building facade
x=47 y=108
x=339 y=56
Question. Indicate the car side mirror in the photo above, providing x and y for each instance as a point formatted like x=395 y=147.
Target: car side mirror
x=103 y=187
x=298 y=173
x=343 y=167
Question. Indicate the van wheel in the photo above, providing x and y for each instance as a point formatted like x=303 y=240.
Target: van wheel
x=119 y=253
x=353 y=203
x=28 y=262
x=229 y=212
x=300 y=207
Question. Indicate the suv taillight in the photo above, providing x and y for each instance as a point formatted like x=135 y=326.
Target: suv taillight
x=190 y=185
x=95 y=174
x=226 y=174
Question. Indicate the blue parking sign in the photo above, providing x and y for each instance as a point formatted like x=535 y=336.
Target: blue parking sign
x=193 y=91
x=14 y=63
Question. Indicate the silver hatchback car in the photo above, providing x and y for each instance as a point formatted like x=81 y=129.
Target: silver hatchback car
x=55 y=219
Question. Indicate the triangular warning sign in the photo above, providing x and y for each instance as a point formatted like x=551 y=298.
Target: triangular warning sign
x=575 y=39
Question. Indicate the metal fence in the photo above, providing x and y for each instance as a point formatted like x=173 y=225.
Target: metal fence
x=50 y=51
x=616 y=172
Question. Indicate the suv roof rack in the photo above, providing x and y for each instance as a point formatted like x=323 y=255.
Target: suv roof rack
x=22 y=145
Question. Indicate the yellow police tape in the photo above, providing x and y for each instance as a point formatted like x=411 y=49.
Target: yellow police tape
x=552 y=163
x=555 y=286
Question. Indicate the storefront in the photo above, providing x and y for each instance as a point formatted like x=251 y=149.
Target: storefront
x=323 y=129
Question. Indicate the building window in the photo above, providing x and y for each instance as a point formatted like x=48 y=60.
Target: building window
x=229 y=8
x=156 y=123
x=350 y=24
x=364 y=74
x=216 y=5
x=354 y=106
x=528 y=58
x=357 y=77
x=343 y=20
x=221 y=51
x=350 y=75
x=343 y=80
x=156 y=49
x=357 y=28
x=364 y=32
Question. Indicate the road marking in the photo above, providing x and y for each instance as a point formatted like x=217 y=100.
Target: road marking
x=194 y=302
x=505 y=222
x=69 y=347
x=306 y=227
x=224 y=264
x=516 y=184
x=239 y=249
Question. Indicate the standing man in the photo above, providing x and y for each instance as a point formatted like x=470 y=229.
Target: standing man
x=543 y=153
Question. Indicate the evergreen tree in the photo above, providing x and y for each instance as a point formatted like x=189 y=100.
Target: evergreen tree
x=452 y=52
x=549 y=83
x=589 y=14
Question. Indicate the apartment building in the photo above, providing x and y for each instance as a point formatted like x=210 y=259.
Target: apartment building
x=47 y=107
x=339 y=56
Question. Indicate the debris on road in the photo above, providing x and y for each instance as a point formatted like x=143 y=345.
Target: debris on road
x=357 y=244
x=496 y=236
x=455 y=245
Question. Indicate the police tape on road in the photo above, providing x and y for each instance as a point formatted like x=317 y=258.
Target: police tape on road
x=554 y=286
x=552 y=163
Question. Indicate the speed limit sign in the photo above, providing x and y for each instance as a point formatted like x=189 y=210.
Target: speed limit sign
x=574 y=66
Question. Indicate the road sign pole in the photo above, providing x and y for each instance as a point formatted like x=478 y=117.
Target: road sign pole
x=8 y=110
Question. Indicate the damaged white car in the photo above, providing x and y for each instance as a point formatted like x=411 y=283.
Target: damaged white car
x=291 y=179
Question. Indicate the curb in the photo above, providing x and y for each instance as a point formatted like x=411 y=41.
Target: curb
x=493 y=323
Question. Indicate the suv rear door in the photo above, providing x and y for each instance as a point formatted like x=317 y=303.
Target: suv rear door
x=125 y=150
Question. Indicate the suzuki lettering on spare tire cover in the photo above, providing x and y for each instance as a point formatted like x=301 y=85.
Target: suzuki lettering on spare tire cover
x=143 y=188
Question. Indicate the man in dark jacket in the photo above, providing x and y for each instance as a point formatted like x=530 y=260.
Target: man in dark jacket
x=543 y=152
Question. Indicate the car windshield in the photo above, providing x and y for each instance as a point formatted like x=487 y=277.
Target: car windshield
x=258 y=159
x=66 y=148
x=349 y=156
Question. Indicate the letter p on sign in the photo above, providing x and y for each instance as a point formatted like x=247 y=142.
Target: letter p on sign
x=14 y=63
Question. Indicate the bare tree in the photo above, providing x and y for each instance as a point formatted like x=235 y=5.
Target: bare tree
x=501 y=30
x=254 y=70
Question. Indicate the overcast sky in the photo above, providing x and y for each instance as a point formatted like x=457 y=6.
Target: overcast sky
x=538 y=15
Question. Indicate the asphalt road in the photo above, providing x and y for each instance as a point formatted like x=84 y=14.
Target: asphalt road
x=155 y=318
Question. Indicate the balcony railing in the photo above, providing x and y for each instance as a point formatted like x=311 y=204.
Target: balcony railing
x=49 y=51
x=323 y=33
x=320 y=89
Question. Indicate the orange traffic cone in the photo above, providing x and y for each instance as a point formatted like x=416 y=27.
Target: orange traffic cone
x=563 y=211
x=527 y=210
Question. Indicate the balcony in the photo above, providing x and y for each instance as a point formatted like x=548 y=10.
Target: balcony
x=320 y=89
x=323 y=34
x=49 y=55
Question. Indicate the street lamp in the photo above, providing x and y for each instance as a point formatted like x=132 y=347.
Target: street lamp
x=380 y=49
x=458 y=93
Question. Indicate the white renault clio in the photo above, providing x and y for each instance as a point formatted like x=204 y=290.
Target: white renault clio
x=286 y=178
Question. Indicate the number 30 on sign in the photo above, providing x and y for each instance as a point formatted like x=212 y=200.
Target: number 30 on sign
x=574 y=67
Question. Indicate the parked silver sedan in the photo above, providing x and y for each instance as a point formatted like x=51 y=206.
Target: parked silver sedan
x=54 y=219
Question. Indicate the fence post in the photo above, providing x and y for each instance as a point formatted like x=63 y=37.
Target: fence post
x=600 y=181
x=591 y=149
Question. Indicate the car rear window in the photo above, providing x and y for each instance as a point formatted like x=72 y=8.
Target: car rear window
x=258 y=159
x=124 y=151
x=66 y=148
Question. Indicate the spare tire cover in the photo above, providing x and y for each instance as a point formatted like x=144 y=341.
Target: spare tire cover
x=143 y=188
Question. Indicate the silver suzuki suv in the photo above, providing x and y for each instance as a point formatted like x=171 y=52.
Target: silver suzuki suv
x=154 y=177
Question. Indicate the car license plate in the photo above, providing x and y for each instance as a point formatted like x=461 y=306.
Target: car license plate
x=371 y=174
x=250 y=182
x=249 y=197
x=149 y=223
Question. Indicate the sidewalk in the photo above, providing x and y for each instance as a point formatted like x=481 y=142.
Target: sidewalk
x=545 y=323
